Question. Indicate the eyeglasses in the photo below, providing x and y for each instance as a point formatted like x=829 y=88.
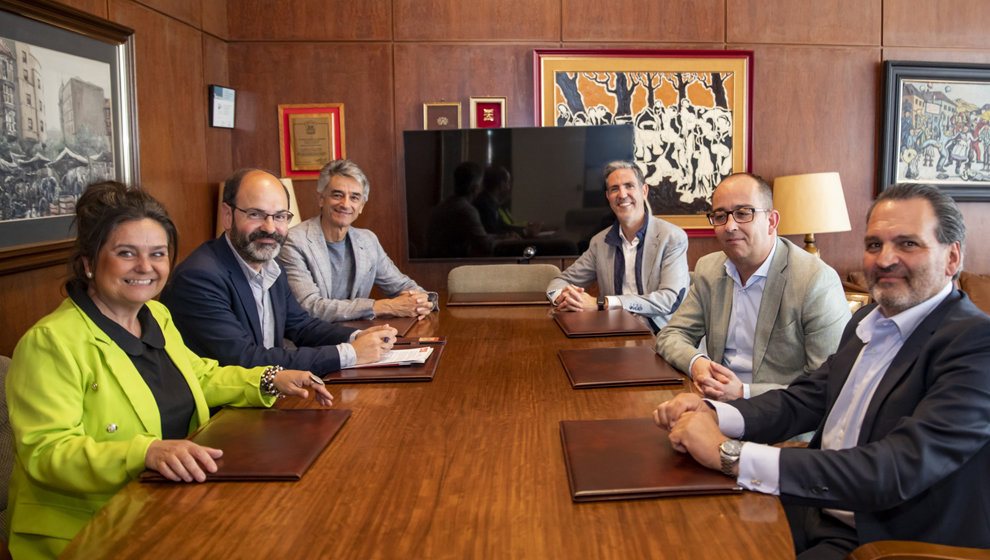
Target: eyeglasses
x=740 y=215
x=255 y=215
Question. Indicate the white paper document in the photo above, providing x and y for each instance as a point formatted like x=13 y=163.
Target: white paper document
x=404 y=357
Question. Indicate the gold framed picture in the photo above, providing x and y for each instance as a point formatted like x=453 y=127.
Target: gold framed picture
x=487 y=112
x=309 y=136
x=441 y=116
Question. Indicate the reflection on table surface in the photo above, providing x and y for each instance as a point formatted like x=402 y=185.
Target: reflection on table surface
x=466 y=466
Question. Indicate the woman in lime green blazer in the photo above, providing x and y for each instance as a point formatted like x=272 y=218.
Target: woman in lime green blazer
x=96 y=388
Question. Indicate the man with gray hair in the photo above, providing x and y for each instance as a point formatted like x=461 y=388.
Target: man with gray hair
x=901 y=410
x=639 y=262
x=332 y=266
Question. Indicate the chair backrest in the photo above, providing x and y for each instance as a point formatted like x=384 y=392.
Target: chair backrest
x=6 y=447
x=496 y=278
x=293 y=206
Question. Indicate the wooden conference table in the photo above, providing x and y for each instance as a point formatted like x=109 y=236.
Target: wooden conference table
x=466 y=466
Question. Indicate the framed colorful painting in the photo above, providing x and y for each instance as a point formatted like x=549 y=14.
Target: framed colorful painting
x=692 y=112
x=309 y=137
x=936 y=127
x=68 y=118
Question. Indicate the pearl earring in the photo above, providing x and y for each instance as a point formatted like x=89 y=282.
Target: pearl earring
x=89 y=275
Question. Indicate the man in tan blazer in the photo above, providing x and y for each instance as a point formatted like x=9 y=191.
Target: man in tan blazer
x=768 y=310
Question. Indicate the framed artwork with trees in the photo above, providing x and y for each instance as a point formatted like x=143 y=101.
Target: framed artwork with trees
x=692 y=112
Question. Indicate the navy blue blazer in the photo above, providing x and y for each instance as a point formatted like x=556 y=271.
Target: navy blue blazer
x=212 y=305
x=919 y=468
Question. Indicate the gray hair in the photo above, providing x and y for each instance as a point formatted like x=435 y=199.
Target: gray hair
x=614 y=166
x=342 y=168
x=951 y=227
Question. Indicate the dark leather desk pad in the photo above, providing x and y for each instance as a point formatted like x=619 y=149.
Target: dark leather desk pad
x=617 y=367
x=631 y=459
x=265 y=443
x=497 y=298
x=619 y=322
x=423 y=372
x=401 y=324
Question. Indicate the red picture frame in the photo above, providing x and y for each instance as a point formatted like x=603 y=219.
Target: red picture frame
x=487 y=112
x=309 y=137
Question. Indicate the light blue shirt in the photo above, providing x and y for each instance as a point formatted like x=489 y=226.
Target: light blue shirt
x=261 y=283
x=883 y=337
x=740 y=338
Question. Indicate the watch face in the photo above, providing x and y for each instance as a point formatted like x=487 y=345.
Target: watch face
x=731 y=447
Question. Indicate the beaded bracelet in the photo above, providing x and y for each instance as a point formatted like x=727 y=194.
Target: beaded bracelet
x=268 y=382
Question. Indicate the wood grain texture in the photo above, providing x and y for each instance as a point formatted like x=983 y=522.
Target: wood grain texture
x=936 y=23
x=309 y=20
x=215 y=18
x=357 y=75
x=95 y=7
x=455 y=20
x=816 y=109
x=187 y=11
x=172 y=119
x=467 y=466
x=639 y=20
x=839 y=22
x=26 y=297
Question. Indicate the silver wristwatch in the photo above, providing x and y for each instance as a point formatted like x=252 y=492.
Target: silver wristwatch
x=729 y=451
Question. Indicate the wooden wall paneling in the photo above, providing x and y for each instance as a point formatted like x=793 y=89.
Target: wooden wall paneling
x=816 y=109
x=310 y=20
x=359 y=75
x=172 y=117
x=218 y=140
x=839 y=22
x=96 y=7
x=936 y=23
x=481 y=20
x=215 y=18
x=640 y=20
x=25 y=298
x=187 y=11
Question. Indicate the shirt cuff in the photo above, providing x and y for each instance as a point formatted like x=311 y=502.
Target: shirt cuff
x=759 y=468
x=730 y=420
x=745 y=390
x=552 y=296
x=691 y=364
x=348 y=357
x=613 y=302
x=353 y=336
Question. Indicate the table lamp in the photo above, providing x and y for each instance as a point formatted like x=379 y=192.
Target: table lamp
x=809 y=204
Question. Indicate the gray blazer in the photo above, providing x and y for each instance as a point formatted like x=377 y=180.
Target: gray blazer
x=801 y=317
x=665 y=271
x=307 y=266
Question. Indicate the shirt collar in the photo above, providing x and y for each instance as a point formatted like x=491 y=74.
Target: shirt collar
x=762 y=272
x=614 y=236
x=905 y=321
x=151 y=333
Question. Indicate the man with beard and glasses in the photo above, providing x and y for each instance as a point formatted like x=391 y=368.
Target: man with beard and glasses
x=231 y=301
x=901 y=411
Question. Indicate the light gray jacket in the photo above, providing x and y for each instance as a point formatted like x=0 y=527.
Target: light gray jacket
x=801 y=317
x=307 y=266
x=664 y=273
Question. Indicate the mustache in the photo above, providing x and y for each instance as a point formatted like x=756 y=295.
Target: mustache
x=259 y=234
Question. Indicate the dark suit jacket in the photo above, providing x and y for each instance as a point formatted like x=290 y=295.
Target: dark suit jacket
x=919 y=470
x=212 y=305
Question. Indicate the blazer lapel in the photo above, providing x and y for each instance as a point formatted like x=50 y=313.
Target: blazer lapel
x=773 y=293
x=903 y=361
x=321 y=256
x=721 y=306
x=650 y=256
x=360 y=267
x=242 y=289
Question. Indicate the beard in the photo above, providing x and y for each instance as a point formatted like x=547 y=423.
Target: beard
x=919 y=284
x=254 y=252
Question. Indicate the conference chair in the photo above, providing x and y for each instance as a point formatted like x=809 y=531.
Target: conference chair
x=293 y=206
x=497 y=278
x=910 y=550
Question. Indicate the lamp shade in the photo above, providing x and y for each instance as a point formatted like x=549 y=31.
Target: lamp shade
x=810 y=203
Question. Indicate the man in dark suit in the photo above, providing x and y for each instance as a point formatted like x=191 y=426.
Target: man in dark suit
x=231 y=301
x=901 y=411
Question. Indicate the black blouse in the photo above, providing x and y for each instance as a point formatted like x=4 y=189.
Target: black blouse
x=169 y=387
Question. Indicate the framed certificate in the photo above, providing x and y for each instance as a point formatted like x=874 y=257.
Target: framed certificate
x=309 y=137
x=222 y=102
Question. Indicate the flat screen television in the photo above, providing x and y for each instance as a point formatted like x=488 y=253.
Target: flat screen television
x=553 y=200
